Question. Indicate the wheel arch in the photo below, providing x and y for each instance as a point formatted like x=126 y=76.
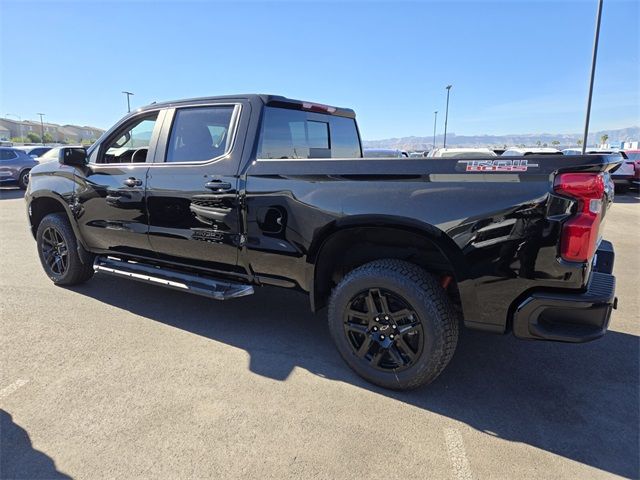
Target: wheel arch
x=354 y=241
x=41 y=205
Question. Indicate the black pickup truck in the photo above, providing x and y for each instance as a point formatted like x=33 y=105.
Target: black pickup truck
x=219 y=195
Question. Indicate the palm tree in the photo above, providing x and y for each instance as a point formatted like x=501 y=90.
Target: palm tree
x=604 y=138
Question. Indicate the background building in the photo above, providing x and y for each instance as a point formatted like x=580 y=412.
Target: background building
x=54 y=133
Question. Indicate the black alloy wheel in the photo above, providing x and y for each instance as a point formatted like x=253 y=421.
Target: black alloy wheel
x=382 y=328
x=55 y=251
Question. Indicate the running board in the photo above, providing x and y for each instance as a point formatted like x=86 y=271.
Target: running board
x=208 y=287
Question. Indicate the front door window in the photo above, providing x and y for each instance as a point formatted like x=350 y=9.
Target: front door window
x=131 y=145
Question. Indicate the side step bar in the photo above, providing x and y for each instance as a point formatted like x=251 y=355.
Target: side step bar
x=208 y=287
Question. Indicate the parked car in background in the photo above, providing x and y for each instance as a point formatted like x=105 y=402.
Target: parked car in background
x=417 y=154
x=522 y=151
x=384 y=153
x=634 y=156
x=15 y=166
x=461 y=153
x=589 y=151
x=34 y=151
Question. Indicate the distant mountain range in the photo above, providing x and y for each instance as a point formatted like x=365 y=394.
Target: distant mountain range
x=529 y=139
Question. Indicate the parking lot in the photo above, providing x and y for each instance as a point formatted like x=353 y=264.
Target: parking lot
x=121 y=379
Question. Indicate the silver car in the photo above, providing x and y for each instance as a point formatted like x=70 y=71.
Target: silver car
x=15 y=166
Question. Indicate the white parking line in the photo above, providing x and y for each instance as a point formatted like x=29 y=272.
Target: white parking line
x=9 y=389
x=457 y=454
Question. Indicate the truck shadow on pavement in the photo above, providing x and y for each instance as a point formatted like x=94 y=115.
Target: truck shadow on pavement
x=18 y=458
x=576 y=401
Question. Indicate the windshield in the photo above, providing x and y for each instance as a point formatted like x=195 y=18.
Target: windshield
x=51 y=154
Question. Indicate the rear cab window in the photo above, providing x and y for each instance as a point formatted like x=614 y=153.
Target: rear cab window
x=297 y=134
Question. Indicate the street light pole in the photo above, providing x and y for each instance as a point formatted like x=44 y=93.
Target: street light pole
x=128 y=94
x=41 y=127
x=446 y=117
x=20 y=123
x=593 y=74
x=435 y=121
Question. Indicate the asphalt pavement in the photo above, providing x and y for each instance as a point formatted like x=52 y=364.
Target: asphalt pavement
x=117 y=379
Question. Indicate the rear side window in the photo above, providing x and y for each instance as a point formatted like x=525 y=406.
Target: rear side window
x=294 y=134
x=7 y=154
x=199 y=134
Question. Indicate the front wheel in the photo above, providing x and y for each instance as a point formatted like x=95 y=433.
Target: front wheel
x=393 y=324
x=58 y=251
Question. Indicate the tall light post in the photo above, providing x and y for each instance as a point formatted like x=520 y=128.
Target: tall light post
x=435 y=122
x=41 y=127
x=593 y=74
x=446 y=116
x=19 y=123
x=128 y=94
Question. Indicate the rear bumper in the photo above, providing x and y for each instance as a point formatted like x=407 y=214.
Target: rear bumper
x=571 y=317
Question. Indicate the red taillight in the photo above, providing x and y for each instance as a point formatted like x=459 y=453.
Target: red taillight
x=580 y=232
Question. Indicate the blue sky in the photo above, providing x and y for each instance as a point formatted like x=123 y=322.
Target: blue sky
x=516 y=66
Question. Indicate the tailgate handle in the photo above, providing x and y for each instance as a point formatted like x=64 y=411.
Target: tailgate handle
x=218 y=186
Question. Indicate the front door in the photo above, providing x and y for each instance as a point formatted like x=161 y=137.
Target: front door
x=192 y=195
x=110 y=192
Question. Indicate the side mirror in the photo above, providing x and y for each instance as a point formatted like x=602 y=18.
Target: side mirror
x=73 y=156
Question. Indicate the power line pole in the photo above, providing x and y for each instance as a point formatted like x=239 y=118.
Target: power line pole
x=128 y=94
x=593 y=74
x=446 y=117
x=435 y=121
x=41 y=127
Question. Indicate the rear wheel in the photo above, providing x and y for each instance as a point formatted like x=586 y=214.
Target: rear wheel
x=58 y=251
x=23 y=180
x=393 y=324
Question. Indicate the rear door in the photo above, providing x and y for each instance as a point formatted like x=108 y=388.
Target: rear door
x=110 y=190
x=9 y=168
x=192 y=190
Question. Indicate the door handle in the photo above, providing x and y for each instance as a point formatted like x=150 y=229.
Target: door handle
x=132 y=182
x=218 y=186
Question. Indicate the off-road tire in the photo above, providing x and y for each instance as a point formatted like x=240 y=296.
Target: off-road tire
x=76 y=271
x=427 y=298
